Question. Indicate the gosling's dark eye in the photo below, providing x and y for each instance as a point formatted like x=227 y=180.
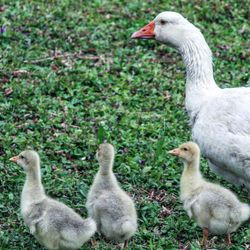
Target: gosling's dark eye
x=185 y=149
x=162 y=22
x=22 y=157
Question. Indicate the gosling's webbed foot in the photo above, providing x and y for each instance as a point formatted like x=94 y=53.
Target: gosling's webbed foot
x=205 y=236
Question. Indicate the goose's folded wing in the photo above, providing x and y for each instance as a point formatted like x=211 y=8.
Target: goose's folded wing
x=222 y=130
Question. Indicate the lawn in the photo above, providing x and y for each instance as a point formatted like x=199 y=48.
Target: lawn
x=71 y=77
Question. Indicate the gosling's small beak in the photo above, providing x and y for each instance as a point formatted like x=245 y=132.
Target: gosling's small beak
x=14 y=158
x=175 y=152
x=147 y=32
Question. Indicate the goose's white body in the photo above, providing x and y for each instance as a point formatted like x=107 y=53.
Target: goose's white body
x=220 y=118
x=222 y=130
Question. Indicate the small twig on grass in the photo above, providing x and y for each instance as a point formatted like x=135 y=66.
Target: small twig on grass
x=66 y=55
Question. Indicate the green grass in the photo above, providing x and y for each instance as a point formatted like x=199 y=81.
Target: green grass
x=85 y=80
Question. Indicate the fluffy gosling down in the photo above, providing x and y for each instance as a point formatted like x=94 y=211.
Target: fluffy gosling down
x=216 y=209
x=111 y=208
x=53 y=224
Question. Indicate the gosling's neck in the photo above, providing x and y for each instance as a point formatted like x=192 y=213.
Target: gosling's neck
x=200 y=83
x=191 y=178
x=33 y=185
x=106 y=167
x=105 y=179
x=191 y=169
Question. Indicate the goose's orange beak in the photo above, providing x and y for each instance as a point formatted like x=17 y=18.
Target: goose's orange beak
x=175 y=152
x=14 y=158
x=147 y=32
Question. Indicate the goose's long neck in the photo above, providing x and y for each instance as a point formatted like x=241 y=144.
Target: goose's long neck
x=33 y=189
x=200 y=82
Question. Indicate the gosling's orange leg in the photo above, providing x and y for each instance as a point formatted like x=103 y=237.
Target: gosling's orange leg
x=125 y=244
x=93 y=243
x=228 y=239
x=205 y=236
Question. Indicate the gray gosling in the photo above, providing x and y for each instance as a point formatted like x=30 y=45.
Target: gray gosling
x=112 y=209
x=53 y=224
x=216 y=209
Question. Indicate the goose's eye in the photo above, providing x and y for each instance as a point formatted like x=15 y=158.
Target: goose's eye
x=185 y=149
x=22 y=157
x=162 y=22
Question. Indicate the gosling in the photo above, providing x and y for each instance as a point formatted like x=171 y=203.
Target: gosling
x=216 y=209
x=53 y=224
x=112 y=209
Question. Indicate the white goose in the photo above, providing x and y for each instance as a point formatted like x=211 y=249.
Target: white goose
x=220 y=118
